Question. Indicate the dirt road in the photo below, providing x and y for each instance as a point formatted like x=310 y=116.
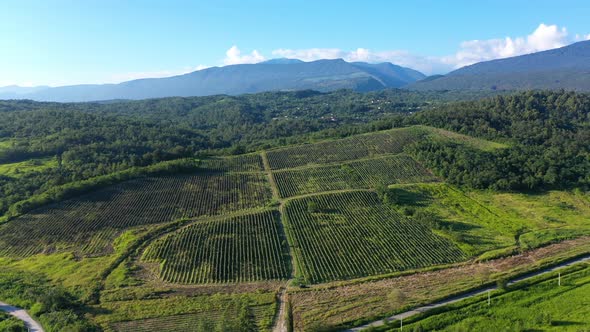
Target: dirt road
x=426 y=308
x=21 y=314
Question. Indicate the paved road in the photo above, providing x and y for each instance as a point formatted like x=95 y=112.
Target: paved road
x=21 y=314
x=425 y=308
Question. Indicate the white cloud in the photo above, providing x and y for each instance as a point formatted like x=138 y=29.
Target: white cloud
x=122 y=77
x=310 y=54
x=234 y=56
x=544 y=37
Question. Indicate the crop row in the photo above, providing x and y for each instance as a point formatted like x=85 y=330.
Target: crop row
x=220 y=320
x=361 y=174
x=351 y=148
x=91 y=222
x=243 y=248
x=242 y=163
x=350 y=235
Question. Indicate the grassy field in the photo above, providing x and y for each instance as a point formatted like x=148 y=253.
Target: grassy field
x=481 y=221
x=362 y=174
x=28 y=166
x=219 y=312
x=238 y=249
x=11 y=324
x=543 y=306
x=352 y=235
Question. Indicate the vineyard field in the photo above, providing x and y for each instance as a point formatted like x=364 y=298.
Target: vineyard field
x=351 y=148
x=90 y=223
x=363 y=174
x=242 y=163
x=237 y=249
x=352 y=235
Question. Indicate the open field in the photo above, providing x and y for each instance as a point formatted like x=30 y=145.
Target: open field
x=24 y=167
x=219 y=312
x=362 y=174
x=351 y=303
x=480 y=221
x=352 y=234
x=237 y=249
x=541 y=306
x=90 y=223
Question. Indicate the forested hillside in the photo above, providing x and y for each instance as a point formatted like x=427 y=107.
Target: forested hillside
x=49 y=144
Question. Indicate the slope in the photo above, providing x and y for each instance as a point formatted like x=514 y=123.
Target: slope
x=563 y=68
x=321 y=75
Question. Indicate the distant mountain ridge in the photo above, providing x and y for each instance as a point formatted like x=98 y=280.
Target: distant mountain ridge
x=272 y=75
x=562 y=68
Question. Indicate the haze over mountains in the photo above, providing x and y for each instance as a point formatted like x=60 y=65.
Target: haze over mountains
x=272 y=75
x=562 y=68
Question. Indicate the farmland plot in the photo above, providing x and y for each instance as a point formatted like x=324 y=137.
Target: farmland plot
x=92 y=221
x=237 y=249
x=363 y=174
x=351 y=148
x=351 y=235
x=242 y=163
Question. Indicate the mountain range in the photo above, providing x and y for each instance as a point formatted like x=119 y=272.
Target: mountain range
x=272 y=75
x=562 y=68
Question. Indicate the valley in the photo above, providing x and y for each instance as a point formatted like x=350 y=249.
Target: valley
x=345 y=220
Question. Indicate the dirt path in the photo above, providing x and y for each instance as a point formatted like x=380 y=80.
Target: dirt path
x=426 y=308
x=281 y=321
x=21 y=314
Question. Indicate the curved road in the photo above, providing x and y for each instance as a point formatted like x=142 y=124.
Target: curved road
x=21 y=314
x=426 y=308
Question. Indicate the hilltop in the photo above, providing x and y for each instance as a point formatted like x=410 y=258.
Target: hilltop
x=272 y=75
x=562 y=68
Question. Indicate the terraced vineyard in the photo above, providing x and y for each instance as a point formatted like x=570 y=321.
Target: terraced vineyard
x=351 y=235
x=242 y=163
x=363 y=174
x=351 y=148
x=237 y=249
x=91 y=222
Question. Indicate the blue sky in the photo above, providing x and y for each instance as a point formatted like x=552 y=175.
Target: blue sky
x=61 y=42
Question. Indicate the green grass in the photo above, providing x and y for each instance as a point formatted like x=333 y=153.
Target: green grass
x=483 y=221
x=171 y=313
x=352 y=235
x=11 y=324
x=540 y=307
x=28 y=166
x=5 y=144
x=477 y=143
x=361 y=174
